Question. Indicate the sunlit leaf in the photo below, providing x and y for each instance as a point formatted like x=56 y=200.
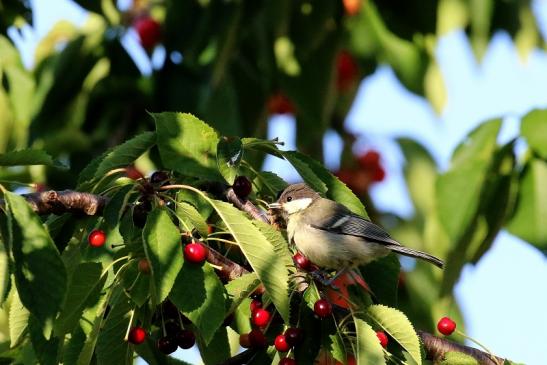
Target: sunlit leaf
x=187 y=145
x=163 y=249
x=534 y=129
x=369 y=350
x=40 y=274
x=397 y=325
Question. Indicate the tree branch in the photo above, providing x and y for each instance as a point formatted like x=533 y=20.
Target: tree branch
x=58 y=202
x=436 y=348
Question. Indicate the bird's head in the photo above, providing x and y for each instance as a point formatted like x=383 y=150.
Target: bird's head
x=295 y=198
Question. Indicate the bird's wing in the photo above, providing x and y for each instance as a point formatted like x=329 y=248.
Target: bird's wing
x=350 y=224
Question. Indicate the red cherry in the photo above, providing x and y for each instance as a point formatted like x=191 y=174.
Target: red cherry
x=195 y=252
x=96 y=238
x=149 y=32
x=446 y=326
x=260 y=317
x=383 y=338
x=137 y=335
x=185 y=339
x=301 y=261
x=280 y=104
x=255 y=304
x=369 y=159
x=352 y=6
x=144 y=266
x=378 y=174
x=166 y=345
x=257 y=339
x=322 y=308
x=242 y=186
x=244 y=341
x=347 y=71
x=132 y=173
x=351 y=360
x=294 y=336
x=281 y=344
x=287 y=361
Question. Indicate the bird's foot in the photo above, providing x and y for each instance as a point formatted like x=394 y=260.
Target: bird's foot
x=322 y=277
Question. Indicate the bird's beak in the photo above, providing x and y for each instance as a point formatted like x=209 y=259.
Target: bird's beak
x=274 y=206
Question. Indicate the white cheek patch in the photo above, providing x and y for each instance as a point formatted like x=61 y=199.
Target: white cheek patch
x=297 y=205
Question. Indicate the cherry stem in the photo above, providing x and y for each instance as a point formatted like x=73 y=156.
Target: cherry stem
x=477 y=343
x=129 y=326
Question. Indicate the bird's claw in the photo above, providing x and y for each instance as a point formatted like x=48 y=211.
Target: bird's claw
x=321 y=277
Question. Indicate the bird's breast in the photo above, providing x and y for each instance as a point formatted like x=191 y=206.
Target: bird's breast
x=331 y=250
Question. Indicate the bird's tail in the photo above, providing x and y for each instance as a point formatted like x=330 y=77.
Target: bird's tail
x=417 y=254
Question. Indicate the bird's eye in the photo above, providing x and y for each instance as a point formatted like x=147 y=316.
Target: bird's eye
x=289 y=198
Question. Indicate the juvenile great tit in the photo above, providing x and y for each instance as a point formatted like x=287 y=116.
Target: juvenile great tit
x=333 y=237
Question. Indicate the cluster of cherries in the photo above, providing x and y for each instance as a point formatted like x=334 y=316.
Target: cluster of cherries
x=283 y=342
x=175 y=337
x=368 y=170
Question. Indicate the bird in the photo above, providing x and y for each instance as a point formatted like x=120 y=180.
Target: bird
x=333 y=237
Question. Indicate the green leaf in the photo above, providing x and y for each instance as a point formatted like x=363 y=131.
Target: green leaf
x=240 y=288
x=263 y=258
x=307 y=351
x=397 y=325
x=83 y=292
x=112 y=348
x=369 y=349
x=268 y=183
x=136 y=283
x=187 y=145
x=534 y=128
x=26 y=157
x=305 y=171
x=4 y=262
x=191 y=217
x=336 y=190
x=420 y=173
x=73 y=346
x=229 y=155
x=163 y=249
x=262 y=145
x=528 y=222
x=40 y=275
x=116 y=206
x=18 y=319
x=199 y=295
x=45 y=350
x=126 y=153
x=458 y=190
x=454 y=357
x=91 y=322
x=382 y=276
x=217 y=350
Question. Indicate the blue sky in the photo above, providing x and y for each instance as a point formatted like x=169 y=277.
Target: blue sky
x=503 y=297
